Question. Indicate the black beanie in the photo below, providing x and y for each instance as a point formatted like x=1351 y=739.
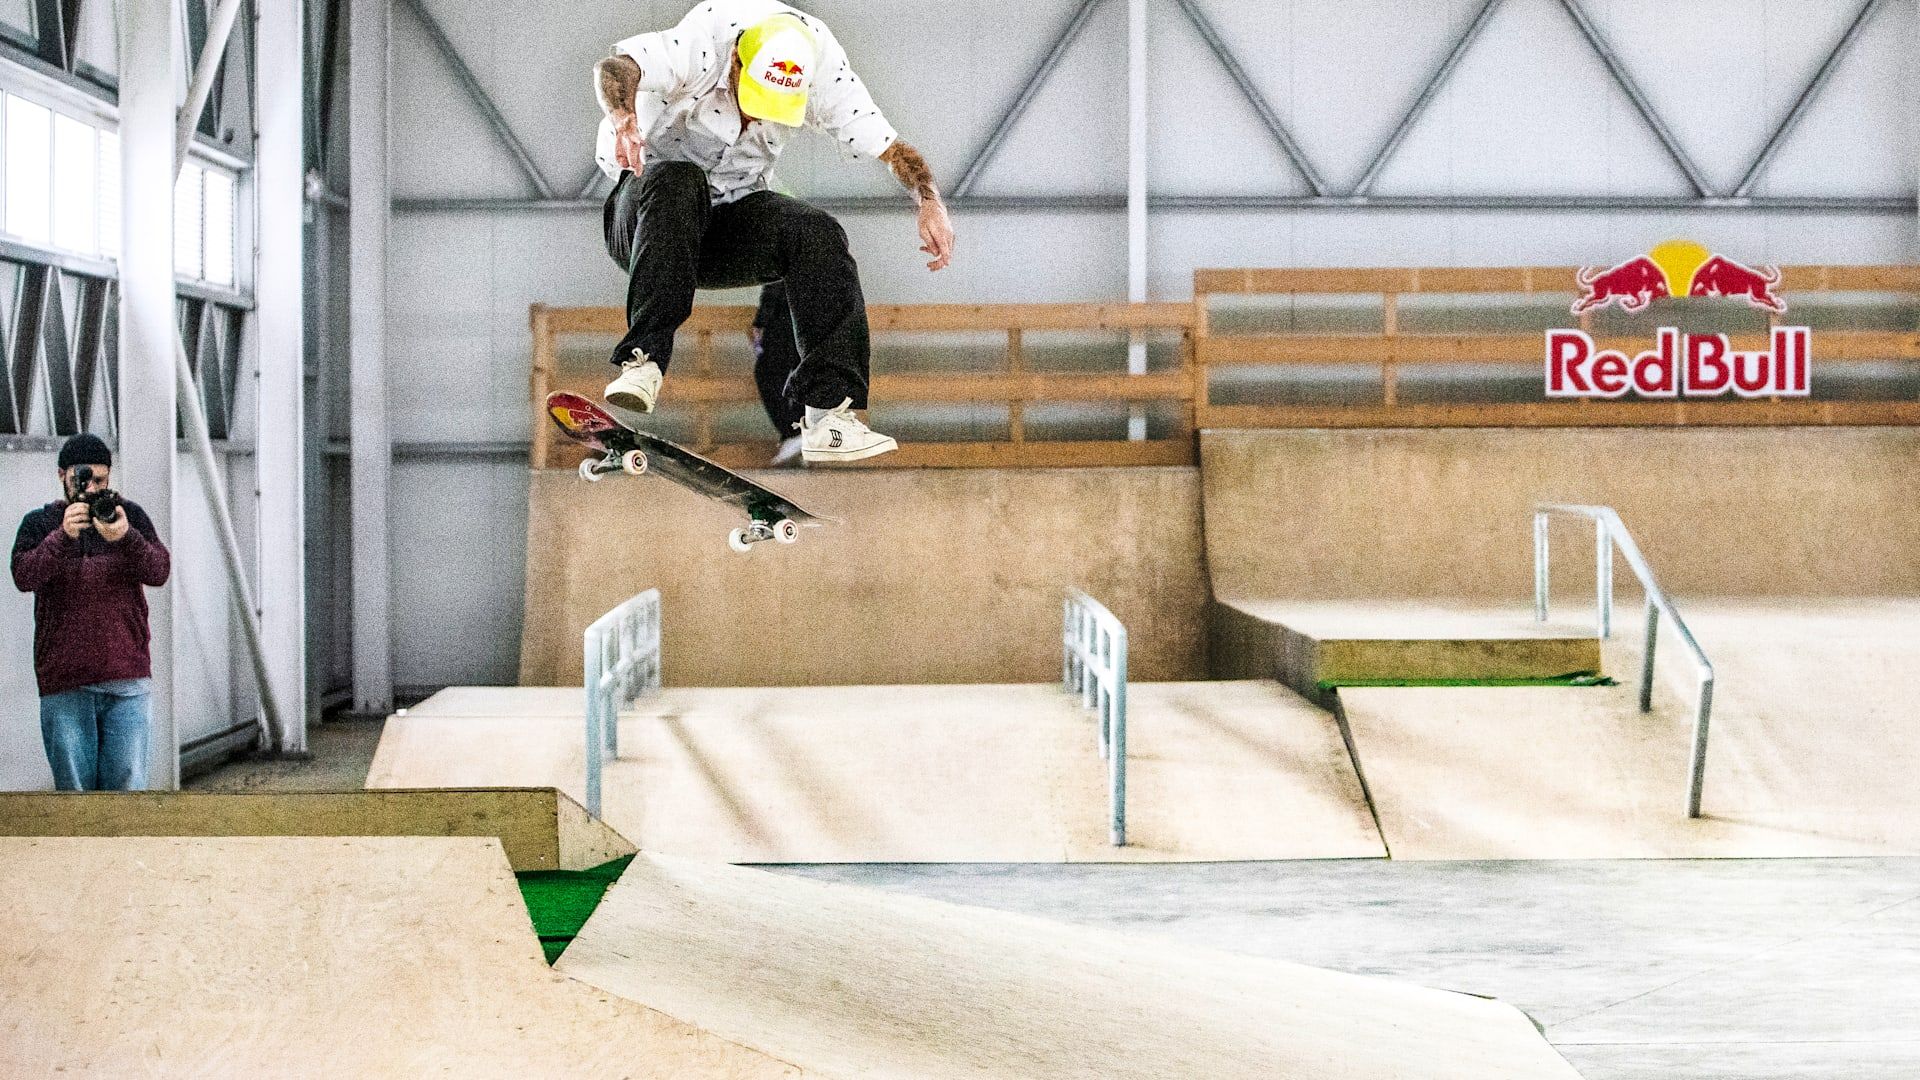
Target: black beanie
x=85 y=450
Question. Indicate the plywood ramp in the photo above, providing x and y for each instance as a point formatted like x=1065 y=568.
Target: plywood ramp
x=1217 y=771
x=1812 y=751
x=539 y=828
x=853 y=983
x=935 y=576
x=368 y=957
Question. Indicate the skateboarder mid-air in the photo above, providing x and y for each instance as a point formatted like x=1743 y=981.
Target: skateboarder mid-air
x=695 y=118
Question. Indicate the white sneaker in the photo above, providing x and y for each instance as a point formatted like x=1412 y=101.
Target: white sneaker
x=789 y=449
x=837 y=435
x=637 y=386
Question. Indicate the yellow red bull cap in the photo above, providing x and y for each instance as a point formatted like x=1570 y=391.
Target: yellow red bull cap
x=776 y=70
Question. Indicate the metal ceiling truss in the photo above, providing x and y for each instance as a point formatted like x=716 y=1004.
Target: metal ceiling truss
x=1359 y=197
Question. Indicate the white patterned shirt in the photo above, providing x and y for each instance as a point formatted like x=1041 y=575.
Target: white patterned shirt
x=687 y=111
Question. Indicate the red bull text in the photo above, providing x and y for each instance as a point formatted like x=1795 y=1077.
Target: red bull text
x=1680 y=364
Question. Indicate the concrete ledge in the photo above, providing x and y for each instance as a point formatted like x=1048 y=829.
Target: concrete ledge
x=1309 y=646
x=540 y=828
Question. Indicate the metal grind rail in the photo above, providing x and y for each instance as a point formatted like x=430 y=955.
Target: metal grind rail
x=1094 y=666
x=622 y=662
x=1610 y=532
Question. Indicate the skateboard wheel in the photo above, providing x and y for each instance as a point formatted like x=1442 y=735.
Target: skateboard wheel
x=588 y=473
x=634 y=463
x=786 y=531
x=737 y=540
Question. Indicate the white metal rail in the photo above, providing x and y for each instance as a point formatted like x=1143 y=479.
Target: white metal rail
x=622 y=661
x=1094 y=665
x=1611 y=532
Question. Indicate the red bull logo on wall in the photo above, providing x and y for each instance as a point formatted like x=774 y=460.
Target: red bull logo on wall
x=1679 y=364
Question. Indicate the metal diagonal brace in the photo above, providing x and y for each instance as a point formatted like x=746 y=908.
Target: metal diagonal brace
x=194 y=418
x=1624 y=79
x=203 y=73
x=1805 y=101
x=1427 y=93
x=480 y=99
x=1025 y=98
x=1268 y=117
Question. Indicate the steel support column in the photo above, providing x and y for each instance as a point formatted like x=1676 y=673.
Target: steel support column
x=1137 y=195
x=279 y=340
x=369 y=64
x=148 y=337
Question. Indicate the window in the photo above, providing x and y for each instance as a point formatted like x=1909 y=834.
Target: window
x=76 y=187
x=60 y=190
x=29 y=170
x=203 y=217
x=218 y=229
x=186 y=222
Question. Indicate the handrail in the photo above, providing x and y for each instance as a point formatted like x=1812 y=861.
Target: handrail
x=1610 y=531
x=1094 y=665
x=622 y=651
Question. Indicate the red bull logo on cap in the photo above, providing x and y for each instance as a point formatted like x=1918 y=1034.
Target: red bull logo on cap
x=785 y=73
x=1679 y=365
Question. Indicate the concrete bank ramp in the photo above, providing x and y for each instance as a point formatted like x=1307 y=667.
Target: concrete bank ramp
x=295 y=957
x=849 y=982
x=1815 y=741
x=1217 y=771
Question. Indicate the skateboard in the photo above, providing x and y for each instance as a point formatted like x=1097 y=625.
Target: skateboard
x=770 y=515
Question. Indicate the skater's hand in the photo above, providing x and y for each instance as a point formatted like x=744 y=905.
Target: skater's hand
x=629 y=151
x=936 y=233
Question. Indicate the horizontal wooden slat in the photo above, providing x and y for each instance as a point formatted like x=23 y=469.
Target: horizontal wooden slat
x=1515 y=279
x=1835 y=345
x=1568 y=414
x=911 y=317
x=1158 y=386
x=958 y=455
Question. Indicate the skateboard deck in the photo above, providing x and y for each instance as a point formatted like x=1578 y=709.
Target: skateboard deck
x=770 y=515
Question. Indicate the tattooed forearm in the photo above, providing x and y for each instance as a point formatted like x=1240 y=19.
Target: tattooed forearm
x=912 y=171
x=616 y=79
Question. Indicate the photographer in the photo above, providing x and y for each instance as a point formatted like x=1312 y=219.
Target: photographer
x=84 y=559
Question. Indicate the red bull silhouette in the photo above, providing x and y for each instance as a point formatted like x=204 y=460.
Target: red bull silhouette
x=1634 y=283
x=1721 y=276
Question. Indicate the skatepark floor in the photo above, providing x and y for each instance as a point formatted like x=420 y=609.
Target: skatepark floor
x=1727 y=969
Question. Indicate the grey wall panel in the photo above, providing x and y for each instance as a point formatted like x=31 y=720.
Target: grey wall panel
x=27 y=480
x=460 y=545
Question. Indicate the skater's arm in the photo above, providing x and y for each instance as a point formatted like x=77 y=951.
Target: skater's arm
x=616 y=82
x=914 y=174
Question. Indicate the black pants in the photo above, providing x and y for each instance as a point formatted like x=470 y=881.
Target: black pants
x=663 y=229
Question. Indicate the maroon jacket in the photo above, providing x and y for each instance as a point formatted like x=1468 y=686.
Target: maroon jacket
x=89 y=613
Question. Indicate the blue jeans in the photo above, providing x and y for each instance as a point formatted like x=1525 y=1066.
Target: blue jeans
x=96 y=736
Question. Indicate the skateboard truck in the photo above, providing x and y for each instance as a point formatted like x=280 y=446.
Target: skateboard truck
x=633 y=463
x=766 y=525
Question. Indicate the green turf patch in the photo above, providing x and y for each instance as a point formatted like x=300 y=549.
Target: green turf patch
x=559 y=901
x=1572 y=678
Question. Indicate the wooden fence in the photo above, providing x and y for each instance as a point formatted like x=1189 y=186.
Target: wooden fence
x=1187 y=387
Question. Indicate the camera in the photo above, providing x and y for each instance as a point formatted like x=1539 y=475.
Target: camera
x=103 y=505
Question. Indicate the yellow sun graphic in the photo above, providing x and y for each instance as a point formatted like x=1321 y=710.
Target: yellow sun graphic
x=1679 y=260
